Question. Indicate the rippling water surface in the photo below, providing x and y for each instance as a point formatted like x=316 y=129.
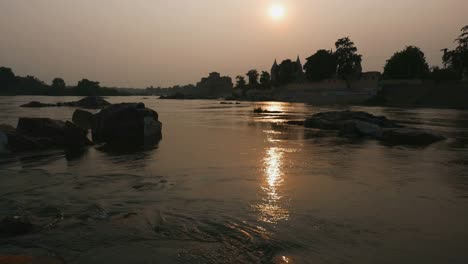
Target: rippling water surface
x=229 y=186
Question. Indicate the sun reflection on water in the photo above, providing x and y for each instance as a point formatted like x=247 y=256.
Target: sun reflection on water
x=271 y=209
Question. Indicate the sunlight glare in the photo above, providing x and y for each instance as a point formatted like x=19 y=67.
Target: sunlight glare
x=277 y=12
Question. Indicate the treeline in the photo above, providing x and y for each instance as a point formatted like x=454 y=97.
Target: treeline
x=345 y=63
x=411 y=63
x=10 y=84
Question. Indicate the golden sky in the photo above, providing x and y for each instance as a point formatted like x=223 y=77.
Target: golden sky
x=138 y=43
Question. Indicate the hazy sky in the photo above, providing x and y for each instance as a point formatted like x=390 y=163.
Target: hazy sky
x=138 y=43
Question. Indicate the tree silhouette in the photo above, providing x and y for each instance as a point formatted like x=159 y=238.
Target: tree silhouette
x=87 y=87
x=241 y=84
x=265 y=80
x=58 y=83
x=407 y=64
x=457 y=60
x=253 y=78
x=7 y=78
x=320 y=66
x=347 y=59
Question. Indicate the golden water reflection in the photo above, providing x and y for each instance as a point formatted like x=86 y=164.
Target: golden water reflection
x=271 y=209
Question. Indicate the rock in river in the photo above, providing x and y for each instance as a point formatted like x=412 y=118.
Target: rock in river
x=43 y=133
x=362 y=124
x=36 y=104
x=90 y=102
x=127 y=124
x=83 y=119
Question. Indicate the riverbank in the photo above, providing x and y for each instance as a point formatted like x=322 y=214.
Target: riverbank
x=422 y=94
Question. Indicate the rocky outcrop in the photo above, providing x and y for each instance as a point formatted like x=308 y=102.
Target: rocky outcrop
x=127 y=124
x=83 y=119
x=90 y=102
x=36 y=104
x=43 y=133
x=335 y=120
x=361 y=124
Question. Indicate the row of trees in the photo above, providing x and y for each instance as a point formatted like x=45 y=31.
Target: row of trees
x=345 y=63
x=10 y=84
x=411 y=63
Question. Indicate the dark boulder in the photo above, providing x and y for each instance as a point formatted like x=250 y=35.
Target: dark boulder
x=36 y=104
x=45 y=133
x=90 y=102
x=127 y=124
x=83 y=119
x=15 y=226
x=334 y=120
x=361 y=124
x=410 y=136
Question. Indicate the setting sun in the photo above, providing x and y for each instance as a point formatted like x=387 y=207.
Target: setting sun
x=277 y=12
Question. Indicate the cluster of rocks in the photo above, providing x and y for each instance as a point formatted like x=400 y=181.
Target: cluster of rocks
x=90 y=102
x=362 y=124
x=118 y=125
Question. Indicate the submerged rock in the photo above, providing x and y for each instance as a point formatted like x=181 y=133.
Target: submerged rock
x=15 y=226
x=90 y=102
x=83 y=119
x=38 y=104
x=362 y=124
x=127 y=124
x=259 y=110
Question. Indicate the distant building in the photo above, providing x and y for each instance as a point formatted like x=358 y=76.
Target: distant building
x=299 y=75
x=274 y=73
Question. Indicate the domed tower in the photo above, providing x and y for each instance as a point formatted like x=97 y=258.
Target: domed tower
x=274 y=72
x=299 y=70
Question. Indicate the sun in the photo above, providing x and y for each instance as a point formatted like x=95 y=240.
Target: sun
x=277 y=12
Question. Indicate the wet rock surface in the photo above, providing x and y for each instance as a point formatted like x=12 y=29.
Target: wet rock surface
x=83 y=119
x=362 y=124
x=127 y=124
x=43 y=133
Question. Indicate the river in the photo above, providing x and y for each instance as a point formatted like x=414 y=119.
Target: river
x=226 y=185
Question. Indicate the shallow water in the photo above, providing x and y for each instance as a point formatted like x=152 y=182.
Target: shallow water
x=229 y=186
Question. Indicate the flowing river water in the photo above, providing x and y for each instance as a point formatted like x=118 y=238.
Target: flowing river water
x=226 y=185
